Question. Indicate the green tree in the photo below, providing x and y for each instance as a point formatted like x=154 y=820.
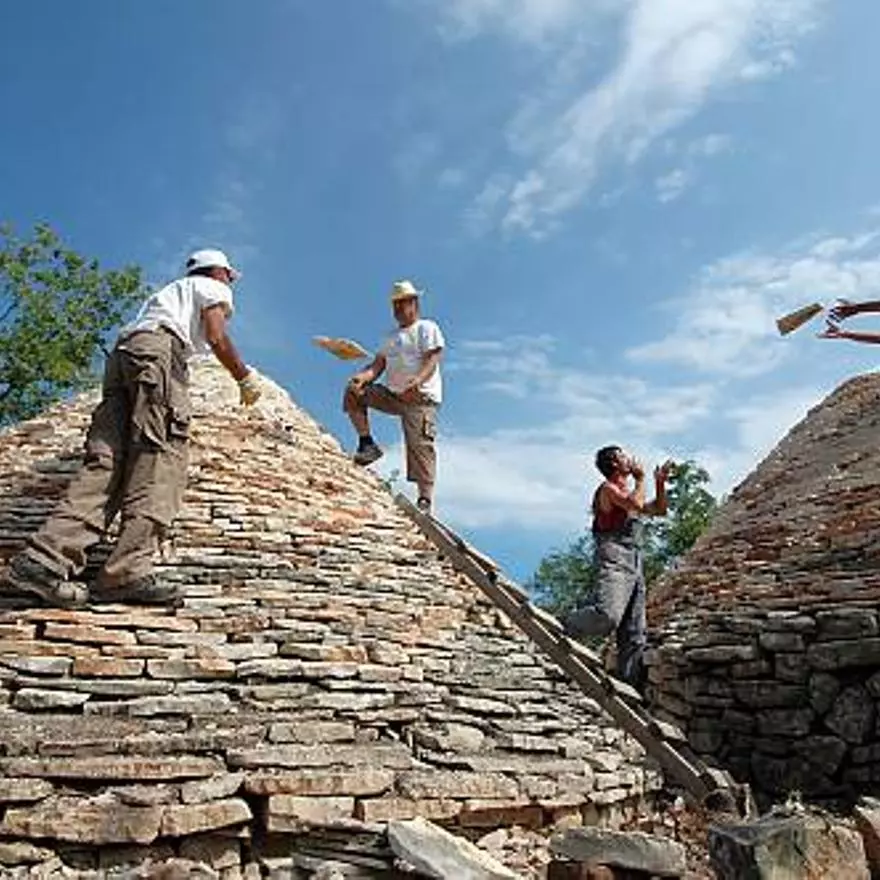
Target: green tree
x=691 y=508
x=567 y=577
x=56 y=309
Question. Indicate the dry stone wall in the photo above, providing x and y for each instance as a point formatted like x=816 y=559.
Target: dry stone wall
x=767 y=649
x=786 y=699
x=326 y=671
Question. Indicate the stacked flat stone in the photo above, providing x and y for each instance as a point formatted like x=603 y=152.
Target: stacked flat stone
x=326 y=670
x=767 y=648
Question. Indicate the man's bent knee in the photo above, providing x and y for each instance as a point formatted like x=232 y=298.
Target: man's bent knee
x=591 y=622
x=353 y=400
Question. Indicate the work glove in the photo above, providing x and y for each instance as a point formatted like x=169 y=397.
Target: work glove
x=249 y=389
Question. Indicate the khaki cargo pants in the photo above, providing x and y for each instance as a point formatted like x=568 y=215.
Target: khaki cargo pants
x=419 y=422
x=135 y=463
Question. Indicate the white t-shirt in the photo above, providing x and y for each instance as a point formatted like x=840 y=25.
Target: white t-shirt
x=178 y=307
x=404 y=350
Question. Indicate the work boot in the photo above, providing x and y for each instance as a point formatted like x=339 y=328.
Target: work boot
x=26 y=575
x=367 y=453
x=146 y=590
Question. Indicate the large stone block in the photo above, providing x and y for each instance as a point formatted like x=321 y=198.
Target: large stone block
x=286 y=812
x=112 y=767
x=769 y=694
x=852 y=715
x=215 y=788
x=630 y=851
x=823 y=688
x=846 y=623
x=803 y=846
x=96 y=821
x=785 y=722
x=23 y=791
x=830 y=656
x=180 y=821
x=331 y=781
x=456 y=784
x=437 y=853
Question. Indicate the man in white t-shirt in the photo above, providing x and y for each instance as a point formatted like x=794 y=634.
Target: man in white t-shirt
x=411 y=356
x=136 y=449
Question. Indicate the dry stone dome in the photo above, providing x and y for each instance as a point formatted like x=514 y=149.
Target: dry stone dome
x=327 y=669
x=767 y=643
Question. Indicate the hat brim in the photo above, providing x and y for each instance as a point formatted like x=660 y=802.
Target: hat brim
x=410 y=294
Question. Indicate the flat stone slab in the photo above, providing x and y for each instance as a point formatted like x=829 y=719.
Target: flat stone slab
x=80 y=820
x=111 y=767
x=630 y=850
x=802 y=846
x=441 y=855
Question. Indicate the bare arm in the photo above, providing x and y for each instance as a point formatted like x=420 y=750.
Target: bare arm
x=660 y=504
x=832 y=332
x=430 y=362
x=848 y=309
x=632 y=502
x=370 y=373
x=214 y=318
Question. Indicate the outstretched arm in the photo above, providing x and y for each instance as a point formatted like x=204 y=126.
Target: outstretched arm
x=370 y=373
x=832 y=332
x=660 y=504
x=848 y=309
x=214 y=318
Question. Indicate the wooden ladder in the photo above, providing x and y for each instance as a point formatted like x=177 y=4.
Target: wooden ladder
x=711 y=787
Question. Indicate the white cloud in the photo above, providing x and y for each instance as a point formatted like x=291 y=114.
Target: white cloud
x=525 y=20
x=675 y=56
x=725 y=322
x=478 y=217
x=535 y=473
x=710 y=145
x=670 y=186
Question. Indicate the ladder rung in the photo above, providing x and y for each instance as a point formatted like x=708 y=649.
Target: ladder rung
x=667 y=731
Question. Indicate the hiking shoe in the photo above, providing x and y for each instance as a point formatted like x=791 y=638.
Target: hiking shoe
x=367 y=454
x=147 y=590
x=424 y=504
x=26 y=575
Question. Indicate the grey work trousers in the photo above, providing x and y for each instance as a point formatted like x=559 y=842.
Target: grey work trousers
x=618 y=605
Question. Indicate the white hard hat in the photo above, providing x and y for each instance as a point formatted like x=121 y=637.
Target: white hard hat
x=207 y=258
x=404 y=290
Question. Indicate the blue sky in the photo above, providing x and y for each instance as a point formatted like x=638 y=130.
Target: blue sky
x=608 y=200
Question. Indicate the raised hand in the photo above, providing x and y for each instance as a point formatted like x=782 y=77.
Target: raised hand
x=843 y=309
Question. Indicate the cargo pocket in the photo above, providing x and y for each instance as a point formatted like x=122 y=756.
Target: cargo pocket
x=150 y=410
x=429 y=424
x=180 y=413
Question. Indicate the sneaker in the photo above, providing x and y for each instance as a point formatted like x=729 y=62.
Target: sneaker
x=368 y=454
x=147 y=590
x=29 y=576
x=424 y=504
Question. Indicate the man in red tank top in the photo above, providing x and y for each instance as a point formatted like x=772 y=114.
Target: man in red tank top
x=618 y=606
